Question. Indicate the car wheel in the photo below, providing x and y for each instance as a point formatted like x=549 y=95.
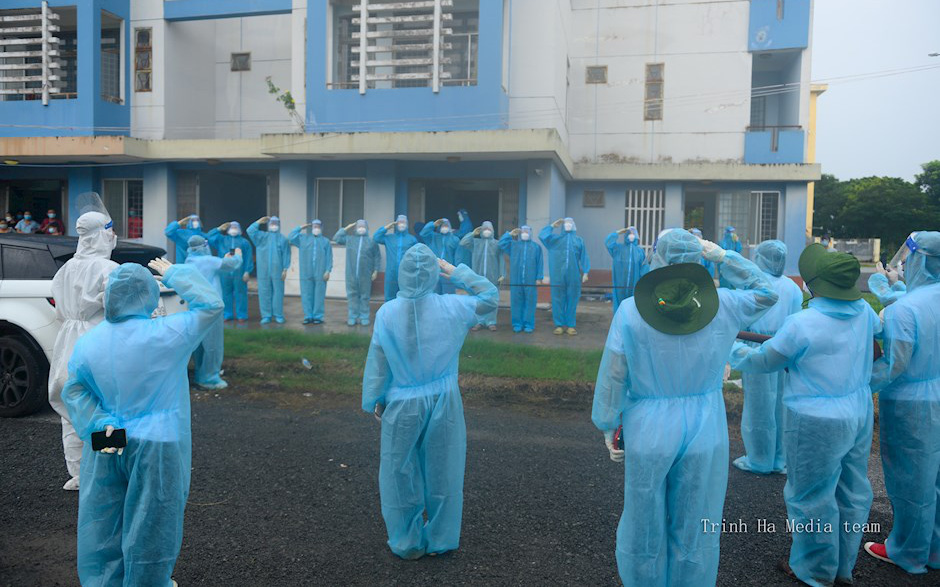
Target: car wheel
x=23 y=379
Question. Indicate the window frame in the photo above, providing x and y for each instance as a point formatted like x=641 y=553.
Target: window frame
x=232 y=61
x=120 y=98
x=342 y=196
x=594 y=192
x=139 y=49
x=587 y=75
x=120 y=226
x=653 y=107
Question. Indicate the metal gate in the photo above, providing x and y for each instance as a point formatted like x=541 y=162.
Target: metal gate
x=646 y=211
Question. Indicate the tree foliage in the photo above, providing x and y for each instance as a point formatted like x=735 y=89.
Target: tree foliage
x=929 y=181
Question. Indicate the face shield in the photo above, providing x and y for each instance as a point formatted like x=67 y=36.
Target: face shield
x=900 y=258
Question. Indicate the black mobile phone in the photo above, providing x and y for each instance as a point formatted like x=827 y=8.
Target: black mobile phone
x=118 y=439
x=231 y=252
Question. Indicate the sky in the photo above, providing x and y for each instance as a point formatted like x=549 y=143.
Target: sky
x=886 y=125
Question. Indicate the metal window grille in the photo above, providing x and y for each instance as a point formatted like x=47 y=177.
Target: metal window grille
x=653 y=98
x=646 y=210
x=758 y=112
x=241 y=61
x=767 y=208
x=111 y=65
x=595 y=74
x=143 y=60
x=593 y=199
x=29 y=52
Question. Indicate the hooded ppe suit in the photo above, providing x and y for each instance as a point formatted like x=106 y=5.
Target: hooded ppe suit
x=444 y=246
x=78 y=290
x=130 y=506
x=234 y=288
x=708 y=265
x=395 y=247
x=886 y=293
x=362 y=259
x=208 y=357
x=462 y=255
x=487 y=260
x=762 y=416
x=629 y=264
x=411 y=369
x=180 y=236
x=907 y=378
x=567 y=262
x=316 y=258
x=728 y=243
x=827 y=420
x=273 y=259
x=666 y=391
x=525 y=269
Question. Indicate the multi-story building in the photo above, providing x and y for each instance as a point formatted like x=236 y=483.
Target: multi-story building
x=654 y=113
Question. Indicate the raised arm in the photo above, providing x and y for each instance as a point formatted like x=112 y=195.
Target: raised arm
x=611 y=242
x=427 y=230
x=379 y=236
x=204 y=302
x=753 y=293
x=487 y=296
x=467 y=241
x=886 y=293
x=505 y=242
x=900 y=332
x=340 y=237
x=548 y=237
x=294 y=237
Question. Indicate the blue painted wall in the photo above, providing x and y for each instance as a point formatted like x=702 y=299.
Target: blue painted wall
x=757 y=147
x=87 y=114
x=206 y=9
x=769 y=33
x=480 y=107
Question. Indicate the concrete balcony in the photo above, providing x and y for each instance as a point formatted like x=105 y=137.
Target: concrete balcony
x=774 y=145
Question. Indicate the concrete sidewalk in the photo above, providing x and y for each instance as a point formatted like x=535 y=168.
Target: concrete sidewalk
x=593 y=322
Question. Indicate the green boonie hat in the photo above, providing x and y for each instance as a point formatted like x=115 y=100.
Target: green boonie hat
x=677 y=299
x=830 y=274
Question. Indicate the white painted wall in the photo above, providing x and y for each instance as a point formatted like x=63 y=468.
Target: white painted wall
x=147 y=108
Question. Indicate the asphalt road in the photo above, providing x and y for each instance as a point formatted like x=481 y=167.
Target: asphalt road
x=289 y=496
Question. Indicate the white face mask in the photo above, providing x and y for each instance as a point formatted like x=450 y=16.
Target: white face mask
x=234 y=232
x=569 y=226
x=445 y=229
x=631 y=237
x=525 y=236
x=401 y=226
x=274 y=227
x=487 y=233
x=361 y=230
x=194 y=224
x=316 y=232
x=459 y=216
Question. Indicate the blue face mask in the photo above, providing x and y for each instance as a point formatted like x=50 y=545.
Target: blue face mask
x=28 y=217
x=51 y=215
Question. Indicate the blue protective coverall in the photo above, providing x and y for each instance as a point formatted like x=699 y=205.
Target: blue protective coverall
x=411 y=369
x=728 y=243
x=464 y=228
x=525 y=269
x=762 y=416
x=180 y=236
x=708 y=265
x=629 y=264
x=362 y=260
x=487 y=260
x=567 y=262
x=666 y=391
x=130 y=506
x=208 y=357
x=395 y=247
x=273 y=259
x=316 y=259
x=827 y=420
x=234 y=286
x=886 y=293
x=444 y=246
x=907 y=378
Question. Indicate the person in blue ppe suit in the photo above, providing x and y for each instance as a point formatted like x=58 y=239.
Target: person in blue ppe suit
x=708 y=265
x=440 y=237
x=316 y=263
x=130 y=372
x=568 y=267
x=208 y=357
x=828 y=415
x=525 y=273
x=661 y=379
x=729 y=242
x=395 y=246
x=629 y=262
x=273 y=263
x=179 y=232
x=762 y=416
x=464 y=227
x=416 y=228
x=907 y=378
x=410 y=383
x=487 y=259
x=362 y=264
x=225 y=239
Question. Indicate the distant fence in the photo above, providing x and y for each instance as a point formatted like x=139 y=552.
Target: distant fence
x=864 y=249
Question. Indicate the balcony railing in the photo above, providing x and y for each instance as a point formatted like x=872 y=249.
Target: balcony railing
x=774 y=133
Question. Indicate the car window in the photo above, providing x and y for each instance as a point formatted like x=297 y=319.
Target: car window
x=23 y=263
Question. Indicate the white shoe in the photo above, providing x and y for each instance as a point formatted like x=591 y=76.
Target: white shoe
x=71 y=484
x=175 y=584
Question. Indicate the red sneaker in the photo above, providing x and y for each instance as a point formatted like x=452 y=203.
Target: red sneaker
x=879 y=551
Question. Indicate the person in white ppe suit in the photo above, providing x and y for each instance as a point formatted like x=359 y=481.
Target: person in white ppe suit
x=78 y=290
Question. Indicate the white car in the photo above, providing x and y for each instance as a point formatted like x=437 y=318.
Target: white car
x=28 y=326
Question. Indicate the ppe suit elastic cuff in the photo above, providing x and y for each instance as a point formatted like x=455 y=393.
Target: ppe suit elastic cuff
x=369 y=407
x=168 y=276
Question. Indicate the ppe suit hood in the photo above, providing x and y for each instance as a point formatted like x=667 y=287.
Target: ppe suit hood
x=446 y=223
x=132 y=292
x=923 y=265
x=771 y=257
x=574 y=227
x=487 y=225
x=674 y=247
x=362 y=223
x=95 y=239
x=636 y=235
x=418 y=273
x=838 y=309
x=198 y=245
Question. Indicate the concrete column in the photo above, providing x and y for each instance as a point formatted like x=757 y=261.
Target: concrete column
x=545 y=194
x=293 y=209
x=299 y=55
x=793 y=230
x=674 y=214
x=159 y=205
